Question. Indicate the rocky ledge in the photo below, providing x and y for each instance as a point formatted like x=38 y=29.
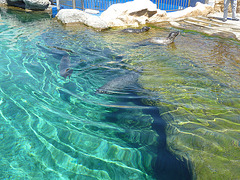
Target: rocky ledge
x=134 y=13
x=67 y=16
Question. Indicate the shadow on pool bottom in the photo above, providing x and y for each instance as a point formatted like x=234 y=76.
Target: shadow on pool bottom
x=167 y=166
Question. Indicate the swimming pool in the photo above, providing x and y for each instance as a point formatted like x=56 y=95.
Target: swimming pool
x=183 y=108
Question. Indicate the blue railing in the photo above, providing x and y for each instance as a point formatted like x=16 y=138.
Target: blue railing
x=102 y=5
x=171 y=5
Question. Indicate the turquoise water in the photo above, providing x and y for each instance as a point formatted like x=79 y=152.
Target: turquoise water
x=183 y=109
x=56 y=128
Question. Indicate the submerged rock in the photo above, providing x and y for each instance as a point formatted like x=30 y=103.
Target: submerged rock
x=39 y=5
x=200 y=106
x=36 y=4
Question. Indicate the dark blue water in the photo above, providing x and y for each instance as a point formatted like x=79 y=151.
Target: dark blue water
x=167 y=165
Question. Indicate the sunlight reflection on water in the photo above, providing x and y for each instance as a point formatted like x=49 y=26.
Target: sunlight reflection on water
x=52 y=127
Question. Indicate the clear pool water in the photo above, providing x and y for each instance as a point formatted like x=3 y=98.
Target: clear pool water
x=57 y=128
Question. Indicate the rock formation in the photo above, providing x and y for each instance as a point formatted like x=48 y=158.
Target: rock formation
x=134 y=13
x=199 y=10
x=77 y=16
x=36 y=4
x=29 y=4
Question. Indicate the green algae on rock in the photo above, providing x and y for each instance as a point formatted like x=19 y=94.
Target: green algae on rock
x=198 y=96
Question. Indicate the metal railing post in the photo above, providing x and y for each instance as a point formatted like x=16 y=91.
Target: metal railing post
x=74 y=4
x=82 y=3
x=58 y=5
x=188 y=3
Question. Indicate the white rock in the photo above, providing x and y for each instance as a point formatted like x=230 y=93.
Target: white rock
x=78 y=16
x=199 y=9
x=138 y=5
x=91 y=11
x=158 y=17
x=175 y=24
x=95 y=22
x=113 y=12
x=70 y=15
x=131 y=13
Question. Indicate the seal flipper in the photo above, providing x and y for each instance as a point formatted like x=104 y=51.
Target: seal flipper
x=68 y=89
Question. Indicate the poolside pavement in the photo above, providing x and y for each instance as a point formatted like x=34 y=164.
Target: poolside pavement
x=212 y=25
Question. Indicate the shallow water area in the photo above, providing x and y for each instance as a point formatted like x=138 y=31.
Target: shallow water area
x=178 y=106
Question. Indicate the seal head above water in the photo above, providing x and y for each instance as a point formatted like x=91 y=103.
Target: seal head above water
x=131 y=30
x=164 y=41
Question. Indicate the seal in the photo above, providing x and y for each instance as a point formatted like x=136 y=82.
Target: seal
x=164 y=41
x=65 y=67
x=119 y=83
x=131 y=30
x=67 y=91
